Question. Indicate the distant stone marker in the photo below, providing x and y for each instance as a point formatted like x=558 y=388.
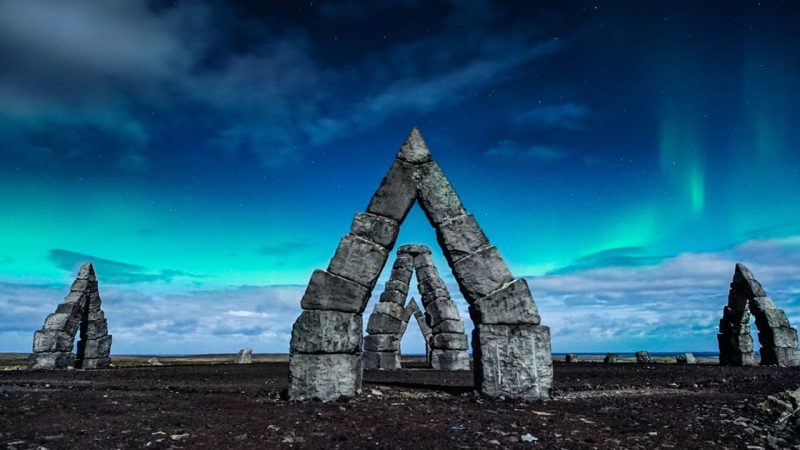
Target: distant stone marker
x=245 y=356
x=643 y=357
x=511 y=348
x=777 y=337
x=686 y=358
x=611 y=358
x=571 y=358
x=80 y=311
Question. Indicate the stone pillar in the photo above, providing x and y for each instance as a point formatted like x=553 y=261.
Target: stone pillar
x=80 y=311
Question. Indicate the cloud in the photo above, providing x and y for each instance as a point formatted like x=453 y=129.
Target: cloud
x=113 y=271
x=569 y=115
x=511 y=151
x=112 y=80
x=614 y=257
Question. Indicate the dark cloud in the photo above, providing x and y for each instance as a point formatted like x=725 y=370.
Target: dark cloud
x=113 y=271
x=613 y=257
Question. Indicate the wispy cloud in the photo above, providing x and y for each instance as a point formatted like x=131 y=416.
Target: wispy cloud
x=113 y=271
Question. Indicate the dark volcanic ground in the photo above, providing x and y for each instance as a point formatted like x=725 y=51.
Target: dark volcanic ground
x=230 y=406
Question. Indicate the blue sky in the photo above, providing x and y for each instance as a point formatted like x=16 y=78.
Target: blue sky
x=208 y=157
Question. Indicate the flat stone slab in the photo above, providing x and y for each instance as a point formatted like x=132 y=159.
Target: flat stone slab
x=512 y=304
x=330 y=292
x=383 y=324
x=413 y=250
x=358 y=260
x=778 y=337
x=449 y=359
x=686 y=358
x=51 y=360
x=460 y=236
x=324 y=377
x=53 y=341
x=373 y=227
x=382 y=343
x=381 y=360
x=390 y=309
x=392 y=296
x=96 y=329
x=397 y=192
x=440 y=310
x=62 y=322
x=481 y=273
x=449 y=341
x=245 y=356
x=414 y=150
x=326 y=332
x=95 y=348
x=513 y=361
x=643 y=357
x=449 y=326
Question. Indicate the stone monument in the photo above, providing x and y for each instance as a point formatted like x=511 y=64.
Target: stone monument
x=80 y=311
x=511 y=348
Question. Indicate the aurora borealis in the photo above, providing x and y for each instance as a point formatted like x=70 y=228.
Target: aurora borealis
x=207 y=158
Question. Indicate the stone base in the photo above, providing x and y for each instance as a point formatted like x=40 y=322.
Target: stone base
x=94 y=363
x=449 y=359
x=780 y=356
x=381 y=360
x=737 y=359
x=324 y=377
x=51 y=360
x=513 y=361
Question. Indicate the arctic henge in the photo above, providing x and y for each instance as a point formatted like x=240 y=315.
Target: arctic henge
x=511 y=348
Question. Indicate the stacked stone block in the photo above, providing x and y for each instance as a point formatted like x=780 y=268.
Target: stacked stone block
x=81 y=313
x=777 y=337
x=511 y=347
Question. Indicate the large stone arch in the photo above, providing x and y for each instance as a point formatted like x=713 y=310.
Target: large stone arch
x=80 y=311
x=511 y=348
x=446 y=343
x=775 y=334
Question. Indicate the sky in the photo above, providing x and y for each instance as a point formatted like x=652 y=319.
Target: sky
x=208 y=156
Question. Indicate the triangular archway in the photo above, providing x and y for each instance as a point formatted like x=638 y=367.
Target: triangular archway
x=511 y=349
x=80 y=311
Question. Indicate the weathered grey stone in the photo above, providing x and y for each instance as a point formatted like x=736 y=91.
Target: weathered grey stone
x=52 y=341
x=80 y=298
x=511 y=304
x=778 y=337
x=359 y=260
x=414 y=149
x=397 y=192
x=83 y=285
x=436 y=294
x=422 y=260
x=399 y=286
x=72 y=309
x=571 y=358
x=96 y=315
x=383 y=324
x=780 y=356
x=330 y=292
x=402 y=275
x=460 y=237
x=429 y=285
x=771 y=318
x=436 y=196
x=743 y=280
x=95 y=348
x=86 y=272
x=686 y=358
x=481 y=273
x=62 y=322
x=643 y=357
x=740 y=359
x=413 y=250
x=404 y=261
x=381 y=360
x=51 y=360
x=245 y=356
x=382 y=343
x=325 y=377
x=611 y=358
x=449 y=341
x=513 y=361
x=372 y=227
x=449 y=326
x=396 y=297
x=449 y=359
x=440 y=310
x=94 y=329
x=390 y=309
x=326 y=332
x=96 y=363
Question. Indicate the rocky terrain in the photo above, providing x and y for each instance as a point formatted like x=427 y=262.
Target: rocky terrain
x=244 y=406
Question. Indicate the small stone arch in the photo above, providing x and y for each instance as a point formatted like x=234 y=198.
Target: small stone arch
x=446 y=342
x=511 y=348
x=80 y=314
x=777 y=337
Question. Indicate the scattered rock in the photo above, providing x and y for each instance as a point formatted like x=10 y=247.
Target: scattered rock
x=528 y=438
x=245 y=356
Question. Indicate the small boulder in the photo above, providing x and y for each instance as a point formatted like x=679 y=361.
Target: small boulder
x=611 y=358
x=154 y=362
x=643 y=357
x=686 y=358
x=571 y=358
x=245 y=356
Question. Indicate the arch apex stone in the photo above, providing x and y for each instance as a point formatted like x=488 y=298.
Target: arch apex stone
x=414 y=150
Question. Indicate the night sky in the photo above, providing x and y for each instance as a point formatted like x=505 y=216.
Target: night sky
x=208 y=157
